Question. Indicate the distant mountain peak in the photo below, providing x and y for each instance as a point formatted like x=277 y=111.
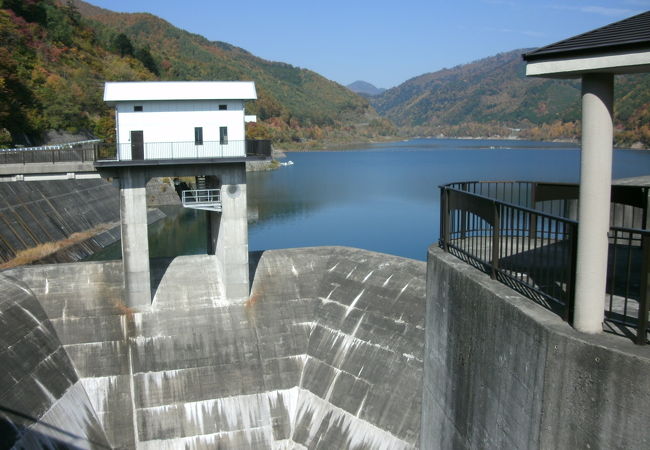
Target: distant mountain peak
x=363 y=87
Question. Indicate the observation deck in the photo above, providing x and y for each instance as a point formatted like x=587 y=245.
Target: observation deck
x=524 y=234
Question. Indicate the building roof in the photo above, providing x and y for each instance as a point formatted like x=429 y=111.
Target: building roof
x=179 y=90
x=631 y=34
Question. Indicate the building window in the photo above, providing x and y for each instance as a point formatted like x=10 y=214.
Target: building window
x=223 y=107
x=198 y=136
x=137 y=108
x=223 y=135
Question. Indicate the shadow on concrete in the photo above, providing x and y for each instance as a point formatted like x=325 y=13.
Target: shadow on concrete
x=158 y=267
x=12 y=433
x=546 y=268
x=253 y=261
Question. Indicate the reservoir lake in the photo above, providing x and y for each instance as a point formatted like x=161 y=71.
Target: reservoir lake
x=380 y=197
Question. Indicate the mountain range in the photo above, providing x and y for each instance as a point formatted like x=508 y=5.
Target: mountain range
x=55 y=57
x=364 y=88
x=492 y=96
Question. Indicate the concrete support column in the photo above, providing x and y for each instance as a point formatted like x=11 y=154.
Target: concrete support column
x=595 y=191
x=135 y=241
x=228 y=234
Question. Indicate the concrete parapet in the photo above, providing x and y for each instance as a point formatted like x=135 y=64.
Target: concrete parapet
x=503 y=372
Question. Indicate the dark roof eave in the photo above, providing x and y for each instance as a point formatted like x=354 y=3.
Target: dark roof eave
x=550 y=54
x=629 y=34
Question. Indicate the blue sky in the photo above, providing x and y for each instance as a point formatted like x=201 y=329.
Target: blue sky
x=383 y=42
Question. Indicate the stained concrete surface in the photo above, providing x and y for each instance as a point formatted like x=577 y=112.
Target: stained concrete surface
x=42 y=402
x=326 y=353
x=38 y=212
x=502 y=372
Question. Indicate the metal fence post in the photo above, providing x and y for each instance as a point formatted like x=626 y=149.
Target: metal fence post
x=571 y=288
x=496 y=239
x=444 y=217
x=642 y=325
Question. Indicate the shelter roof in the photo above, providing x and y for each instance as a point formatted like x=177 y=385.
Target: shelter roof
x=629 y=34
x=179 y=90
x=620 y=47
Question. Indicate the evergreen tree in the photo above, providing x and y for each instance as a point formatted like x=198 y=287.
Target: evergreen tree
x=122 y=45
x=144 y=55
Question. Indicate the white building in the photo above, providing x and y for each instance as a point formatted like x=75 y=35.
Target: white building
x=179 y=119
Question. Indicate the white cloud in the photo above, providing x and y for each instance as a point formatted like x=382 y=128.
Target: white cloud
x=600 y=10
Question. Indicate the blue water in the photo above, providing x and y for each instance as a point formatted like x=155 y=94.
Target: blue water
x=383 y=197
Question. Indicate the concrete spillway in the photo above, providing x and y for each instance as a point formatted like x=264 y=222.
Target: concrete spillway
x=326 y=353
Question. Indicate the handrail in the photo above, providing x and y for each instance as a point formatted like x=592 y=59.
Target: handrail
x=209 y=199
x=518 y=241
x=201 y=195
x=94 y=150
x=512 y=205
x=185 y=150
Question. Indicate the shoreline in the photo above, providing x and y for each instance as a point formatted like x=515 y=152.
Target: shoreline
x=281 y=153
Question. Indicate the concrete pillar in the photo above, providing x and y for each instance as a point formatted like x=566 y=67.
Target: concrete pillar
x=135 y=241
x=228 y=234
x=595 y=188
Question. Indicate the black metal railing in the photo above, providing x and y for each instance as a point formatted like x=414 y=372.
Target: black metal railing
x=627 y=282
x=524 y=234
x=82 y=152
x=261 y=147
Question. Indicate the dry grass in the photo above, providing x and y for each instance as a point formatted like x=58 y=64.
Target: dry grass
x=41 y=251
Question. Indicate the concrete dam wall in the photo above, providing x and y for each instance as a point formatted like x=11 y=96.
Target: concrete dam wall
x=502 y=372
x=38 y=212
x=326 y=353
x=42 y=402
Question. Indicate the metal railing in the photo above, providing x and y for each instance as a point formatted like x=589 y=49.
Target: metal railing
x=627 y=282
x=83 y=151
x=207 y=199
x=525 y=235
x=101 y=151
x=259 y=147
x=185 y=150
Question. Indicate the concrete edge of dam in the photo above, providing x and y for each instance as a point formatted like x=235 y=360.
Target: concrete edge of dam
x=502 y=372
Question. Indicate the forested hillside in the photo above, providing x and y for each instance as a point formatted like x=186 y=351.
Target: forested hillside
x=56 y=55
x=493 y=96
x=52 y=71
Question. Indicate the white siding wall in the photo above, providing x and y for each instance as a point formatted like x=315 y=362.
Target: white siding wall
x=174 y=122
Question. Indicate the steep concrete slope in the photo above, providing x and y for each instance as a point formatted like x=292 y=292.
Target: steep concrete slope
x=37 y=212
x=326 y=353
x=40 y=212
x=42 y=402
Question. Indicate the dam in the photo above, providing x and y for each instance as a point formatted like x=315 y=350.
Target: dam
x=309 y=348
x=326 y=353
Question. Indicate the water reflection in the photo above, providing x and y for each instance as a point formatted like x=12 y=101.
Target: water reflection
x=383 y=197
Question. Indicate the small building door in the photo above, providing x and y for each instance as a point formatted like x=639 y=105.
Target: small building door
x=137 y=144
